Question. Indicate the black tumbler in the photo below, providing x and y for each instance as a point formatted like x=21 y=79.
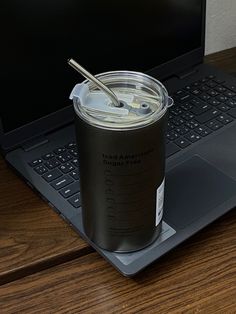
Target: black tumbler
x=121 y=155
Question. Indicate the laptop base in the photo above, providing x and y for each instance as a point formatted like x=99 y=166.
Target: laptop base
x=200 y=185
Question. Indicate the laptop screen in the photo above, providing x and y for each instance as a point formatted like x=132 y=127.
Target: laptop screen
x=37 y=38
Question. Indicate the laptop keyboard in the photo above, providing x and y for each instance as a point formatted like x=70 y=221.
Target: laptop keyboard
x=60 y=169
x=200 y=109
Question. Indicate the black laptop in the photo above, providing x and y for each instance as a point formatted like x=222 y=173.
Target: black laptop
x=164 y=38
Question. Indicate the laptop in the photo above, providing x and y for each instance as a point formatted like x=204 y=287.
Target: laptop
x=162 y=38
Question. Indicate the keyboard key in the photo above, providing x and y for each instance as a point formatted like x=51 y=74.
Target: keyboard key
x=52 y=175
x=204 y=80
x=207 y=116
x=196 y=91
x=214 y=125
x=218 y=81
x=48 y=156
x=195 y=84
x=187 y=116
x=192 y=124
x=222 y=98
x=52 y=163
x=232 y=112
x=231 y=103
x=182 y=130
x=71 y=145
x=201 y=108
x=182 y=142
x=204 y=88
x=172 y=135
x=73 y=152
x=75 y=162
x=176 y=111
x=62 y=182
x=35 y=162
x=70 y=190
x=220 y=89
x=178 y=121
x=211 y=77
x=231 y=87
x=186 y=106
x=67 y=167
x=196 y=101
x=203 y=131
x=171 y=149
x=223 y=107
x=213 y=102
x=211 y=84
x=204 y=97
x=224 y=118
x=212 y=93
x=59 y=150
x=184 y=98
x=229 y=94
x=75 y=201
x=170 y=126
x=75 y=174
x=193 y=137
x=188 y=88
x=64 y=157
x=40 y=169
x=179 y=93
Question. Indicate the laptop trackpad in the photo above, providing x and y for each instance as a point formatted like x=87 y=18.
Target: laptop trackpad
x=193 y=188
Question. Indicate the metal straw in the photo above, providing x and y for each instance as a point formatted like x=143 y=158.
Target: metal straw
x=96 y=81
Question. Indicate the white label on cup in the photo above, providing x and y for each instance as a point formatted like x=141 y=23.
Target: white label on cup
x=160 y=202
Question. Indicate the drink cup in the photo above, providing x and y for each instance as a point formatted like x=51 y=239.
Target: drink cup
x=121 y=153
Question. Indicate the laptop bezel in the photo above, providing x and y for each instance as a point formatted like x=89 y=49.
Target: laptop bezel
x=58 y=119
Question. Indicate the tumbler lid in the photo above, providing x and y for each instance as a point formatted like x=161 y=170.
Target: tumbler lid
x=143 y=100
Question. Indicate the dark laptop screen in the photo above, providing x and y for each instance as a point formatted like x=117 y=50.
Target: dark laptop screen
x=37 y=37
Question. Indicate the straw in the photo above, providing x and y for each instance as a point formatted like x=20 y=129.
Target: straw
x=96 y=81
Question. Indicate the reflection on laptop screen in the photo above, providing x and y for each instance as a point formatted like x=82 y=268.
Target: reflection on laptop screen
x=37 y=38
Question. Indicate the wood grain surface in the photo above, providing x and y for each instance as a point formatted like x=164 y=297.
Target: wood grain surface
x=225 y=60
x=197 y=277
x=32 y=235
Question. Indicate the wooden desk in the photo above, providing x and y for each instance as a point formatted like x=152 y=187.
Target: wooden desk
x=46 y=267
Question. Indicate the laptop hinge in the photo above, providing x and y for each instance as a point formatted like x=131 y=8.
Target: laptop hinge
x=35 y=143
x=187 y=73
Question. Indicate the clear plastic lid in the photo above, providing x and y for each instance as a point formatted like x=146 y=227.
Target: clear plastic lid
x=143 y=100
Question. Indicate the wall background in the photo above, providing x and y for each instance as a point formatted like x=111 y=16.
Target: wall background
x=220 y=25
